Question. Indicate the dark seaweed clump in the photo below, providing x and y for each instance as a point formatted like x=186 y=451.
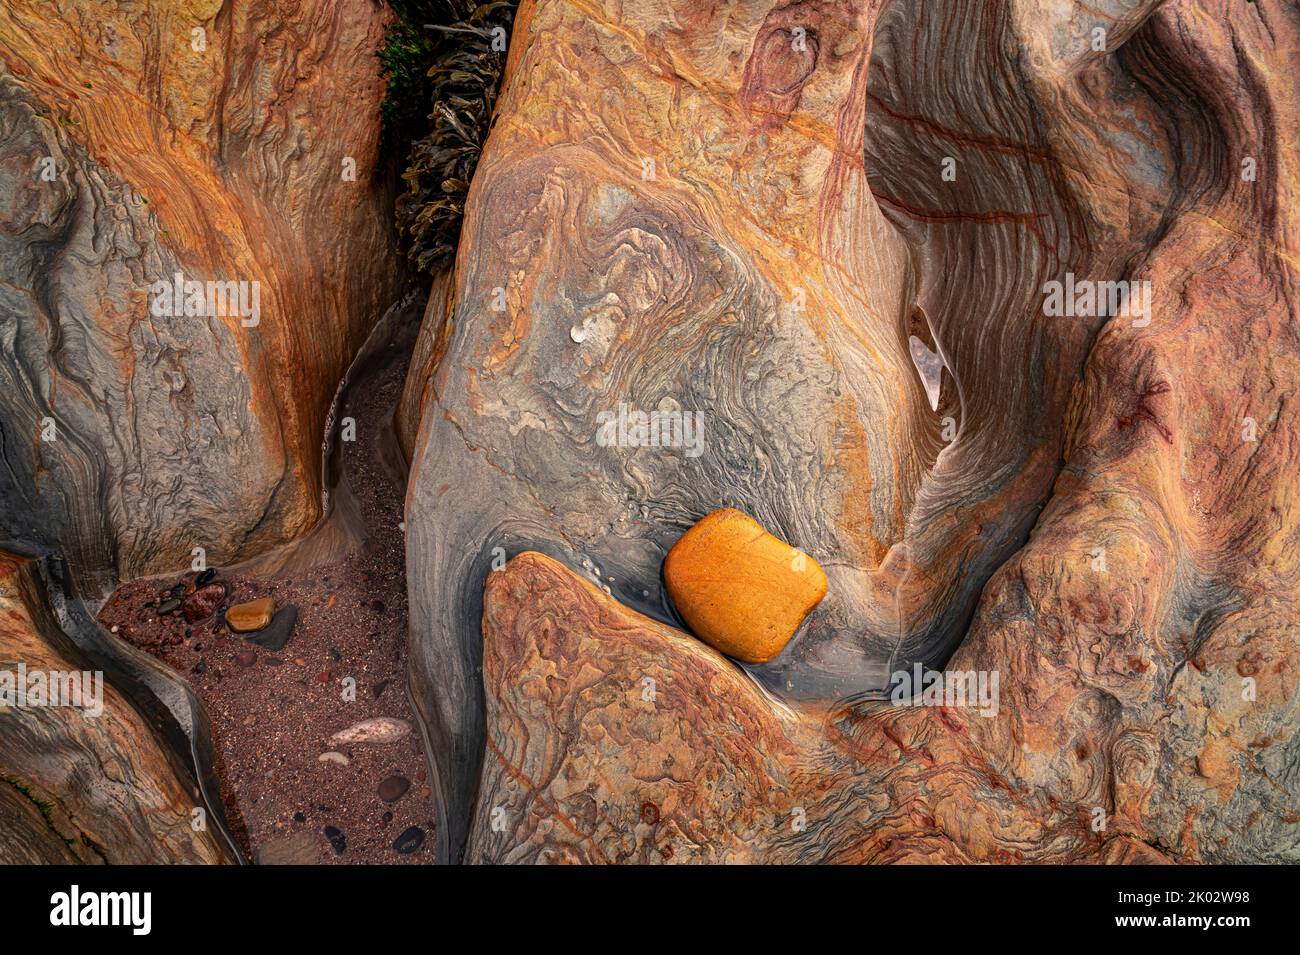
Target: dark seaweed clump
x=440 y=53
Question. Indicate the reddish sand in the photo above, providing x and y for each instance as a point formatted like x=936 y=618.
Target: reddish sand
x=272 y=718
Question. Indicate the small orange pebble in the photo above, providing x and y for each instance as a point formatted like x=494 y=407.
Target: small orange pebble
x=741 y=590
x=251 y=616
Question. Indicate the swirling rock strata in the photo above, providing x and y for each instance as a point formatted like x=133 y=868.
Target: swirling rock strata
x=76 y=785
x=671 y=213
x=613 y=738
x=226 y=143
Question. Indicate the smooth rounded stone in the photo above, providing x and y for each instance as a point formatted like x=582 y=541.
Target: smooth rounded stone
x=245 y=658
x=742 y=590
x=394 y=788
x=378 y=729
x=409 y=841
x=296 y=849
x=251 y=616
x=203 y=603
x=169 y=606
x=334 y=757
x=277 y=633
x=339 y=841
x=205 y=578
x=178 y=590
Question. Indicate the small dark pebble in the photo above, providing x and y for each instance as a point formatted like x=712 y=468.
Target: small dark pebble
x=276 y=633
x=178 y=590
x=409 y=841
x=299 y=817
x=274 y=661
x=171 y=605
x=387 y=817
x=200 y=667
x=378 y=688
x=377 y=606
x=394 y=788
x=205 y=577
x=335 y=655
x=337 y=839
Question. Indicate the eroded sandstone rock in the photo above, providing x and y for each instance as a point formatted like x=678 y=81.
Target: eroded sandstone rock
x=1095 y=505
x=78 y=785
x=672 y=754
x=224 y=144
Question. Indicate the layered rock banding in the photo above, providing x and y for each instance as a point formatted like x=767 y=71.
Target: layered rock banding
x=990 y=305
x=83 y=777
x=195 y=241
x=277 y=695
x=224 y=145
x=674 y=213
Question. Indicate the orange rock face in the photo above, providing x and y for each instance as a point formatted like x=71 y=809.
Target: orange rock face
x=226 y=145
x=741 y=590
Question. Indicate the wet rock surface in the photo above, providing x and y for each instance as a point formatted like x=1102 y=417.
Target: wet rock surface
x=835 y=252
x=703 y=768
